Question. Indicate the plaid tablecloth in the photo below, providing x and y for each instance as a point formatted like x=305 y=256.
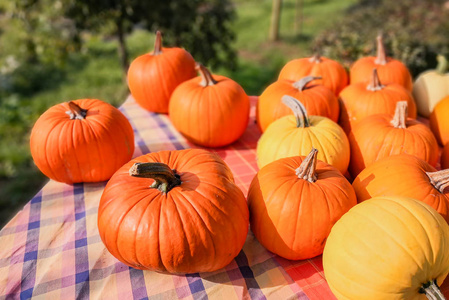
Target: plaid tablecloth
x=52 y=250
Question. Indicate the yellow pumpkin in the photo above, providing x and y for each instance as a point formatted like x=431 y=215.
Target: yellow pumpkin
x=295 y=135
x=430 y=87
x=387 y=248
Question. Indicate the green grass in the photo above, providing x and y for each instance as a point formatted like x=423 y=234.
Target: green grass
x=96 y=73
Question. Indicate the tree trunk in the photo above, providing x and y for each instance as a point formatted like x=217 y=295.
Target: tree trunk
x=123 y=53
x=298 y=17
x=275 y=21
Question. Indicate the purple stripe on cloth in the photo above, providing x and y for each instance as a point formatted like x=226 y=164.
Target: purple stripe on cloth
x=196 y=286
x=174 y=140
x=251 y=283
x=138 y=284
x=138 y=139
x=81 y=255
x=31 y=248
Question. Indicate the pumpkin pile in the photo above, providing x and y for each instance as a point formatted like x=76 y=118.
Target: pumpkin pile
x=385 y=235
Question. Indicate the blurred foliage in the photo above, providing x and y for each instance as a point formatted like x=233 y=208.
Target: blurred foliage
x=415 y=31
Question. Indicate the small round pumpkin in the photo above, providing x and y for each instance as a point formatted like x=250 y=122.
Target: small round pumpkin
x=445 y=157
x=317 y=99
x=390 y=70
x=316 y=195
x=153 y=77
x=431 y=86
x=84 y=140
x=210 y=110
x=361 y=100
x=387 y=248
x=439 y=121
x=405 y=176
x=383 y=135
x=333 y=74
x=296 y=134
x=174 y=211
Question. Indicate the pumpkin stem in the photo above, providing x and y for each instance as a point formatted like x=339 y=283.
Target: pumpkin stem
x=374 y=84
x=315 y=59
x=206 y=75
x=300 y=112
x=164 y=178
x=432 y=291
x=301 y=84
x=442 y=64
x=400 y=115
x=75 y=112
x=439 y=179
x=381 y=58
x=307 y=168
x=158 y=44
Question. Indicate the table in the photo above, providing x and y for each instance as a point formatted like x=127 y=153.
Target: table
x=52 y=250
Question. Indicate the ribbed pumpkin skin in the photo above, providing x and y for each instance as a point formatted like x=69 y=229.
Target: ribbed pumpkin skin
x=403 y=176
x=375 y=138
x=429 y=88
x=359 y=103
x=439 y=121
x=317 y=99
x=283 y=139
x=153 y=78
x=334 y=74
x=300 y=231
x=393 y=71
x=445 y=157
x=198 y=226
x=88 y=150
x=211 y=116
x=386 y=248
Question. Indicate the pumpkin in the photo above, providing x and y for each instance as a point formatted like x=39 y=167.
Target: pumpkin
x=405 y=176
x=153 y=77
x=295 y=135
x=390 y=70
x=174 y=211
x=430 y=87
x=445 y=157
x=318 y=100
x=84 y=140
x=383 y=135
x=333 y=74
x=316 y=195
x=361 y=100
x=209 y=110
x=439 y=122
x=388 y=248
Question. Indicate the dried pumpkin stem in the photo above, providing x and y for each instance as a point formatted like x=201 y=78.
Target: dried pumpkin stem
x=375 y=84
x=300 y=112
x=315 y=59
x=206 y=75
x=439 y=179
x=400 y=115
x=76 y=112
x=307 y=168
x=432 y=291
x=158 y=44
x=442 y=64
x=301 y=84
x=164 y=178
x=381 y=58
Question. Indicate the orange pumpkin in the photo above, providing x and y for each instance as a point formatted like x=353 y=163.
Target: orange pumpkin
x=317 y=99
x=333 y=74
x=84 y=140
x=445 y=157
x=405 y=176
x=174 y=211
x=294 y=202
x=439 y=121
x=210 y=110
x=361 y=100
x=382 y=135
x=390 y=70
x=153 y=77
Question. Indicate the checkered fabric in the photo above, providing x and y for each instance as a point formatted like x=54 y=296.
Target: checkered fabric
x=52 y=250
